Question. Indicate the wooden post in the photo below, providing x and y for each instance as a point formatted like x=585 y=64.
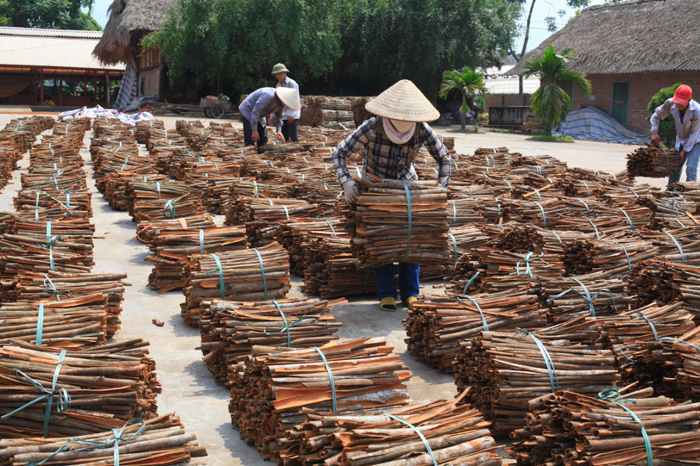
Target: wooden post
x=85 y=102
x=106 y=89
x=60 y=92
x=95 y=80
x=42 y=87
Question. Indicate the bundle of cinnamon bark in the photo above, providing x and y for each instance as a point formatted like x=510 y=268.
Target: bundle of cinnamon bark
x=437 y=327
x=96 y=388
x=504 y=370
x=615 y=257
x=396 y=221
x=146 y=230
x=54 y=204
x=156 y=209
x=454 y=434
x=331 y=270
x=610 y=427
x=113 y=187
x=631 y=337
x=230 y=329
x=153 y=442
x=653 y=162
x=666 y=281
x=171 y=250
x=250 y=274
x=485 y=262
x=262 y=216
x=55 y=287
x=271 y=386
x=295 y=236
x=75 y=321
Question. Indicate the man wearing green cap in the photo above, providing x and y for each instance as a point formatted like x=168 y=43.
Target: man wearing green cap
x=290 y=117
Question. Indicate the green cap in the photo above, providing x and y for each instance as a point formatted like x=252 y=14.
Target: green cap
x=279 y=68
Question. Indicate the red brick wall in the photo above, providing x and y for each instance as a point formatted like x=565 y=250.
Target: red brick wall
x=508 y=100
x=642 y=86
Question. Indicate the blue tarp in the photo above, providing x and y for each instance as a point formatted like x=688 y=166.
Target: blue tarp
x=592 y=124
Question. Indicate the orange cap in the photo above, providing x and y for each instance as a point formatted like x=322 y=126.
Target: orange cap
x=683 y=94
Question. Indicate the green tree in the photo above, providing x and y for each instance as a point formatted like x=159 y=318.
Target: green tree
x=49 y=14
x=390 y=40
x=667 y=126
x=240 y=41
x=550 y=103
x=468 y=84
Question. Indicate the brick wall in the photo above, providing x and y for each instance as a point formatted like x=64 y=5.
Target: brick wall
x=642 y=86
x=508 y=100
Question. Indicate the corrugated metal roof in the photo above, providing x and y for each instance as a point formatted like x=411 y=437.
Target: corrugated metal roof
x=511 y=85
x=10 y=31
x=49 y=52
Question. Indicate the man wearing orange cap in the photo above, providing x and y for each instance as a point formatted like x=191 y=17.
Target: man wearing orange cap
x=686 y=112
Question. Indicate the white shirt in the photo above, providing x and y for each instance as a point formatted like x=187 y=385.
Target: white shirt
x=687 y=132
x=292 y=84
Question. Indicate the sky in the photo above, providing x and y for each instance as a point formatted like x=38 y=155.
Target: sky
x=538 y=27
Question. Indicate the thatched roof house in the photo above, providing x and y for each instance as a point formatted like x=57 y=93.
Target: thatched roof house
x=630 y=50
x=129 y=21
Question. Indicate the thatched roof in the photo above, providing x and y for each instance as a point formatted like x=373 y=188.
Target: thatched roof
x=629 y=37
x=128 y=19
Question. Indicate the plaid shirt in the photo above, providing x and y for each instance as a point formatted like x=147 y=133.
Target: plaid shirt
x=387 y=160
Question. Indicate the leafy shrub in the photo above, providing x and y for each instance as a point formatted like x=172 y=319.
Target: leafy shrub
x=667 y=126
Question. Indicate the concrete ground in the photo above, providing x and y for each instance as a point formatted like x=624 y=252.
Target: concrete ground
x=188 y=387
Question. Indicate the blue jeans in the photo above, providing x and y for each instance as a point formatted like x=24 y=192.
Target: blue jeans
x=691 y=161
x=408 y=280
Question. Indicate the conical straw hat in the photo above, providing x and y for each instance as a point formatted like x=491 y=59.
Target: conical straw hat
x=403 y=101
x=289 y=97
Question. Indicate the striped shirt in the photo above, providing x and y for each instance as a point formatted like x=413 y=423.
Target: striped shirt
x=386 y=159
x=687 y=129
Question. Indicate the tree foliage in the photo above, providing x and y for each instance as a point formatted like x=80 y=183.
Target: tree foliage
x=49 y=14
x=467 y=83
x=414 y=39
x=667 y=126
x=242 y=40
x=550 y=103
x=369 y=43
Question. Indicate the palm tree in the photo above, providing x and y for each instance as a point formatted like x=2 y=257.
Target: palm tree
x=468 y=83
x=550 y=103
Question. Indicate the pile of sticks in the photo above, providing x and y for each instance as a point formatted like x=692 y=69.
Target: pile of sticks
x=171 y=250
x=54 y=288
x=120 y=372
x=245 y=275
x=567 y=427
x=332 y=271
x=653 y=162
x=505 y=370
x=271 y=386
x=389 y=227
x=153 y=442
x=455 y=435
x=437 y=327
x=596 y=294
x=230 y=329
x=294 y=237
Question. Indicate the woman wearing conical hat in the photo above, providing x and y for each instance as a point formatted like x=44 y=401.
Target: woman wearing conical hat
x=390 y=142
